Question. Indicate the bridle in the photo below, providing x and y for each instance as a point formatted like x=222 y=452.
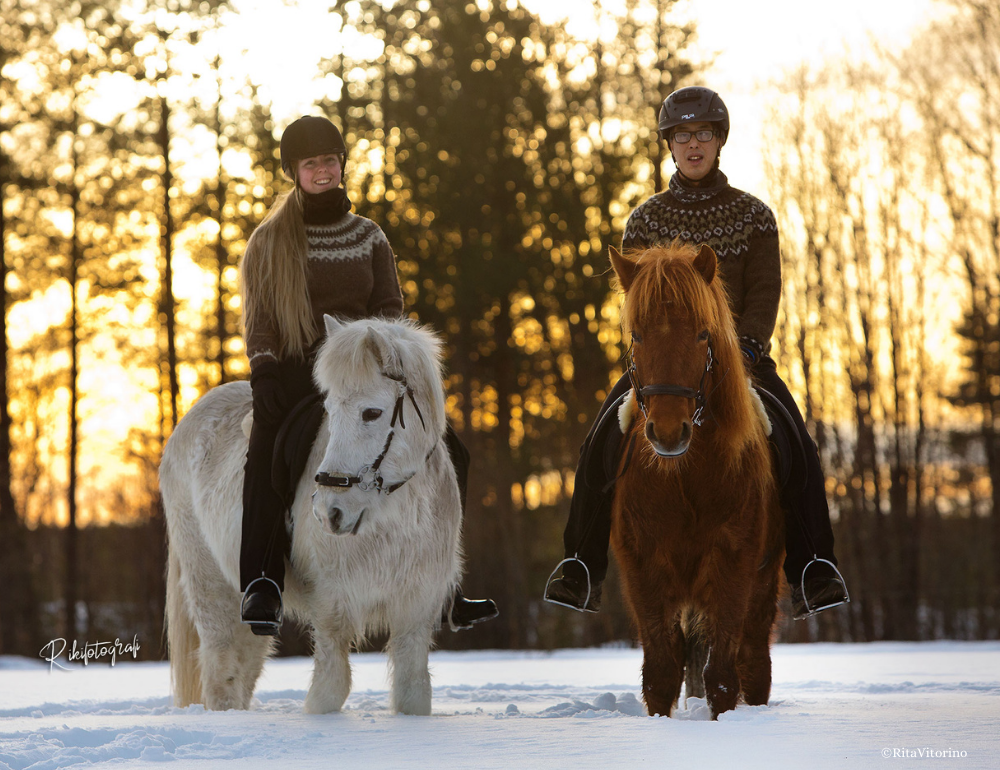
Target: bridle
x=644 y=391
x=369 y=477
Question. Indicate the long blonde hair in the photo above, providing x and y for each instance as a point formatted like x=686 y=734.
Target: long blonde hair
x=273 y=277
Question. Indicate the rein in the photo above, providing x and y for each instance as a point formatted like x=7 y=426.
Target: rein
x=369 y=478
x=644 y=391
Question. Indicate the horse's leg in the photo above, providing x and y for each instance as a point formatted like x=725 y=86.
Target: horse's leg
x=754 y=660
x=411 y=680
x=662 y=663
x=729 y=602
x=230 y=656
x=331 y=679
x=722 y=683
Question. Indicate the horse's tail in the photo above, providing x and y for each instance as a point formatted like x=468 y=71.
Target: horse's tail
x=182 y=640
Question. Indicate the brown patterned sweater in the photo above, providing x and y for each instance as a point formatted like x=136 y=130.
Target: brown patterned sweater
x=351 y=274
x=740 y=229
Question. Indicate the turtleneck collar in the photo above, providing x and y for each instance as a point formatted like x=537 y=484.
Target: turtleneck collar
x=690 y=190
x=326 y=207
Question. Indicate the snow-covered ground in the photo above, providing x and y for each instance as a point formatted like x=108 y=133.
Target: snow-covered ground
x=883 y=705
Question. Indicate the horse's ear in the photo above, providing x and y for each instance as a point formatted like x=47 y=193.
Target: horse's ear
x=386 y=354
x=705 y=263
x=624 y=268
x=331 y=324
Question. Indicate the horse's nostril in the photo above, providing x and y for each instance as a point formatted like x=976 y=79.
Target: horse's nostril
x=651 y=431
x=685 y=432
x=335 y=517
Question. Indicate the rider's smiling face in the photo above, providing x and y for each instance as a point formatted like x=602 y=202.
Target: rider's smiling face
x=319 y=173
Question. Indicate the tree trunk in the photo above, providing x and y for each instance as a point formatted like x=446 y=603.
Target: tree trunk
x=19 y=630
x=167 y=304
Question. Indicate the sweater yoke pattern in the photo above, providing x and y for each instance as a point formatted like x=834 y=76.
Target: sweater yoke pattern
x=351 y=238
x=727 y=221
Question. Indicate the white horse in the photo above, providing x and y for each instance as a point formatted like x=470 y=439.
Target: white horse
x=373 y=550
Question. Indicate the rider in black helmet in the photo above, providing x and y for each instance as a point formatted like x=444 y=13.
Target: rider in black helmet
x=311 y=256
x=701 y=207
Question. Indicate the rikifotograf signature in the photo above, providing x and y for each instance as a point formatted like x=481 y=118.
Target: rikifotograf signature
x=89 y=651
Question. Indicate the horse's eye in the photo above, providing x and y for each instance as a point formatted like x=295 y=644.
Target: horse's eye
x=703 y=336
x=636 y=337
x=370 y=415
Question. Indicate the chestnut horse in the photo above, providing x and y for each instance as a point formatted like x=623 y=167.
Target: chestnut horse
x=697 y=527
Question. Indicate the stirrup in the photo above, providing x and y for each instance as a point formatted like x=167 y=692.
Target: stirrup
x=552 y=577
x=263 y=627
x=810 y=611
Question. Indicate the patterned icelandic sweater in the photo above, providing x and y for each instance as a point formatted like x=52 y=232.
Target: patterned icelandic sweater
x=351 y=274
x=740 y=229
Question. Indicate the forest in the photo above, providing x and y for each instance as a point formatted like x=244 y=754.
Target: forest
x=501 y=154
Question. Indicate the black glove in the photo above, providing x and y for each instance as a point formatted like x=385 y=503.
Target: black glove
x=269 y=398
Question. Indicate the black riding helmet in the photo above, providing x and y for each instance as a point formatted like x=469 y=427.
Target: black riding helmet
x=693 y=104
x=308 y=137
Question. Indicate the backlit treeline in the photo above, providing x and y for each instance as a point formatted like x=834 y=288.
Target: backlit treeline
x=501 y=156
x=886 y=177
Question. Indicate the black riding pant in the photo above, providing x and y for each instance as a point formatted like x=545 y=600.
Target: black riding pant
x=588 y=531
x=265 y=538
x=265 y=543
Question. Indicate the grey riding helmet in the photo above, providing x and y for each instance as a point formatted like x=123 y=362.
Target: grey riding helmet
x=693 y=104
x=308 y=137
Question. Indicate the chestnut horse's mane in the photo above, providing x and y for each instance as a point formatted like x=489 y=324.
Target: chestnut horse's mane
x=669 y=279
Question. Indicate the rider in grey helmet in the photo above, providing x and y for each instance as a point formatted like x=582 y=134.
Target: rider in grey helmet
x=701 y=207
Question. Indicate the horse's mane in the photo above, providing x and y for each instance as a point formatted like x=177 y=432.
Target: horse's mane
x=668 y=277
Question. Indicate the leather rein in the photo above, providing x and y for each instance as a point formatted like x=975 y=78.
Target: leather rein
x=369 y=477
x=644 y=391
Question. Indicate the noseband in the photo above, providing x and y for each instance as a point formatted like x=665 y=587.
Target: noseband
x=644 y=391
x=369 y=477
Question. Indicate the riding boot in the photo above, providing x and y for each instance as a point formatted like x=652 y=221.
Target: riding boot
x=461 y=614
x=262 y=607
x=810 y=564
x=588 y=529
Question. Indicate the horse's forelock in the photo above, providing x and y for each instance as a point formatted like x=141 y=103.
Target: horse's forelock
x=348 y=358
x=667 y=276
x=345 y=357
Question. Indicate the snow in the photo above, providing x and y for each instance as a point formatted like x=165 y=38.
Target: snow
x=832 y=706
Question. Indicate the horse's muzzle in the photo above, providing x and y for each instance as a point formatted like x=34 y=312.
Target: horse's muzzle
x=341 y=521
x=674 y=448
